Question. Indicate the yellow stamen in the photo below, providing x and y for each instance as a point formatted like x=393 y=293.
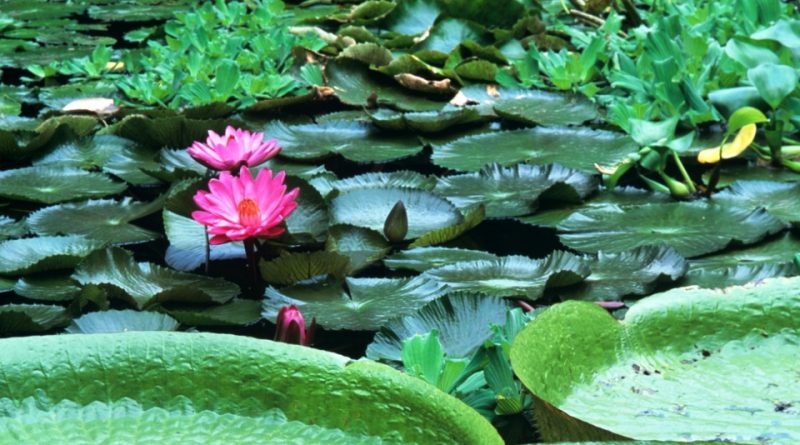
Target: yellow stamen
x=249 y=213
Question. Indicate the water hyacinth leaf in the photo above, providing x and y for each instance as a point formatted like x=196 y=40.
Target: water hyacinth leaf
x=187 y=244
x=43 y=253
x=355 y=85
x=127 y=320
x=692 y=229
x=512 y=276
x=515 y=191
x=361 y=246
x=583 y=362
x=772 y=251
x=779 y=198
x=634 y=272
x=369 y=208
x=711 y=278
x=543 y=107
x=298 y=266
x=365 y=304
x=17 y=319
x=472 y=217
x=774 y=82
x=51 y=185
x=105 y=220
x=463 y=320
x=785 y=32
x=397 y=179
x=47 y=287
x=236 y=312
x=421 y=259
x=144 y=284
x=216 y=399
x=579 y=148
x=354 y=140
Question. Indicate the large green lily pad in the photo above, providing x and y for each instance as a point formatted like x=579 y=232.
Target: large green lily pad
x=688 y=364
x=781 y=199
x=692 y=229
x=168 y=387
x=43 y=253
x=50 y=185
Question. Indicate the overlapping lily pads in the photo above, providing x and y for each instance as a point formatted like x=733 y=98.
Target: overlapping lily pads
x=779 y=198
x=50 y=185
x=421 y=259
x=28 y=255
x=127 y=320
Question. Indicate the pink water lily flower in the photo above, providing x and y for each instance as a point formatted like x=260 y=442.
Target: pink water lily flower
x=233 y=149
x=239 y=208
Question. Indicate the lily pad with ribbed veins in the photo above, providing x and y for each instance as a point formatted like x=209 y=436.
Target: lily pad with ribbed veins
x=144 y=284
x=237 y=312
x=688 y=364
x=421 y=259
x=402 y=178
x=361 y=246
x=717 y=277
x=692 y=229
x=425 y=121
x=17 y=319
x=50 y=185
x=47 y=287
x=543 y=107
x=781 y=199
x=575 y=147
x=515 y=191
x=778 y=250
x=365 y=304
x=369 y=208
x=298 y=266
x=170 y=387
x=512 y=276
x=43 y=253
x=472 y=218
x=105 y=322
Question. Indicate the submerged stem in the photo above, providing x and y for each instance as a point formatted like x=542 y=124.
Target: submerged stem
x=252 y=260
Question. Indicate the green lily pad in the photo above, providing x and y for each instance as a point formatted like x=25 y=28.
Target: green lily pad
x=512 y=276
x=634 y=272
x=145 y=284
x=50 y=185
x=187 y=244
x=677 y=360
x=425 y=121
x=127 y=320
x=202 y=388
x=717 y=277
x=472 y=217
x=43 y=253
x=750 y=172
x=463 y=321
x=692 y=229
x=515 y=191
x=361 y=246
x=85 y=153
x=421 y=259
x=780 y=250
x=574 y=147
x=354 y=140
x=308 y=223
x=236 y=312
x=365 y=304
x=413 y=17
x=169 y=132
x=402 y=179
x=47 y=287
x=448 y=33
x=369 y=208
x=779 y=198
x=543 y=107
x=105 y=220
x=9 y=228
x=298 y=266
x=16 y=319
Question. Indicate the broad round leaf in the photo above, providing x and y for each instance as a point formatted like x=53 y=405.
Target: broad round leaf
x=121 y=321
x=365 y=304
x=298 y=266
x=402 y=178
x=674 y=369
x=50 y=185
x=17 y=319
x=578 y=148
x=236 y=312
x=692 y=229
x=28 y=255
x=361 y=246
x=369 y=208
x=421 y=259
x=463 y=320
x=187 y=244
x=543 y=107
x=779 y=250
x=717 y=277
x=47 y=287
x=774 y=82
x=472 y=217
x=203 y=388
x=308 y=223
x=781 y=199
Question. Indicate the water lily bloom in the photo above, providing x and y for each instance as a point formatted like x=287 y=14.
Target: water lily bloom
x=291 y=327
x=233 y=149
x=241 y=208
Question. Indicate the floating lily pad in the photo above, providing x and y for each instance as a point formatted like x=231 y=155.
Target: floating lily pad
x=187 y=244
x=85 y=153
x=145 y=284
x=298 y=266
x=692 y=229
x=16 y=319
x=361 y=246
x=236 y=312
x=543 y=107
x=308 y=223
x=50 y=185
x=463 y=321
x=369 y=208
x=472 y=217
x=403 y=179
x=364 y=305
x=47 y=287
x=127 y=320
x=512 y=276
x=356 y=141
x=717 y=277
x=514 y=191
x=575 y=147
x=677 y=360
x=29 y=255
x=773 y=251
x=9 y=228
x=425 y=121
x=421 y=259
x=202 y=388
x=634 y=272
x=781 y=199
x=412 y=17
x=105 y=220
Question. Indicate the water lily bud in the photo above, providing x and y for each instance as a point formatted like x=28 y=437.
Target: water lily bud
x=291 y=327
x=396 y=226
x=676 y=188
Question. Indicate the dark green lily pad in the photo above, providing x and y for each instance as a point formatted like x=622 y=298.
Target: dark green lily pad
x=717 y=277
x=692 y=229
x=773 y=251
x=43 y=253
x=9 y=228
x=47 y=287
x=575 y=147
x=236 y=312
x=361 y=246
x=543 y=107
x=127 y=320
x=145 y=284
x=412 y=17
x=16 y=319
x=472 y=217
x=365 y=304
x=421 y=259
x=677 y=360
x=512 y=276
x=50 y=185
x=308 y=223
x=781 y=199
x=298 y=266
x=187 y=244
x=84 y=153
x=425 y=121
x=402 y=178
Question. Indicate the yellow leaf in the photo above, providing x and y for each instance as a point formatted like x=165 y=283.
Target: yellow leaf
x=730 y=150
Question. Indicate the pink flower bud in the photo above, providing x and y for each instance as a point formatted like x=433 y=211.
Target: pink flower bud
x=291 y=327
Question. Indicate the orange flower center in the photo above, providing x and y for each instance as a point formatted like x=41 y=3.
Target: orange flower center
x=249 y=213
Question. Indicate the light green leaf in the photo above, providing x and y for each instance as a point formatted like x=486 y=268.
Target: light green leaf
x=541 y=107
x=50 y=185
x=421 y=259
x=121 y=321
x=774 y=82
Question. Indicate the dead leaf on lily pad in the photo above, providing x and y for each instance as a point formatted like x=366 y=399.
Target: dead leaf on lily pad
x=97 y=105
x=424 y=85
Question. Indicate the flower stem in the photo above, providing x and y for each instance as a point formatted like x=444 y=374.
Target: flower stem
x=208 y=251
x=252 y=260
